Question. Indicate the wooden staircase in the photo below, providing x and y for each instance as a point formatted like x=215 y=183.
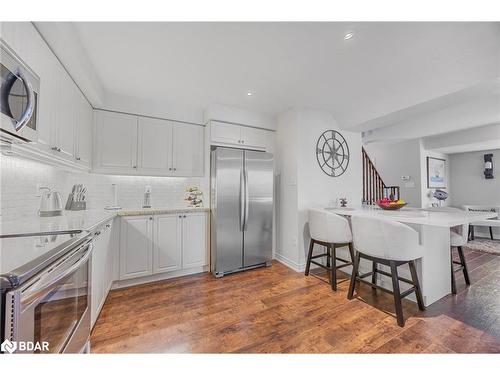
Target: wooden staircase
x=374 y=187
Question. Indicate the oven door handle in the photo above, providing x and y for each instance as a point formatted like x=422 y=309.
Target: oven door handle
x=42 y=290
x=30 y=105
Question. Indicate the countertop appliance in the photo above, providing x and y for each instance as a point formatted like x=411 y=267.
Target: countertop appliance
x=45 y=291
x=50 y=203
x=242 y=209
x=19 y=90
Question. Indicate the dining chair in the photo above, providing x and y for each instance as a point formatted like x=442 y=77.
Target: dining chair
x=331 y=231
x=387 y=242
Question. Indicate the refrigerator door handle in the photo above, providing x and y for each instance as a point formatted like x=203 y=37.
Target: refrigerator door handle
x=247 y=201
x=242 y=201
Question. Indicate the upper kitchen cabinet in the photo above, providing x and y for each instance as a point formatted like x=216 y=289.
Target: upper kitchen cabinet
x=83 y=122
x=225 y=134
x=221 y=132
x=64 y=132
x=64 y=123
x=127 y=144
x=188 y=150
x=115 y=143
x=155 y=151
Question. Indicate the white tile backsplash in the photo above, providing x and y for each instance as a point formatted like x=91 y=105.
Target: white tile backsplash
x=19 y=178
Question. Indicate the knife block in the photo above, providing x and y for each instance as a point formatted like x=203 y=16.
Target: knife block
x=77 y=206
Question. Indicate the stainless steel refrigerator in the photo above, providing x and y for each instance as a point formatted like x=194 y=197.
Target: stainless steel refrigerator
x=242 y=210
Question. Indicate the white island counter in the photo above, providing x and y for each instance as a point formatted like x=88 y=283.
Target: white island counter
x=434 y=269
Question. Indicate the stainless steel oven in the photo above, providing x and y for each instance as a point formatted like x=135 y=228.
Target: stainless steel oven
x=19 y=95
x=52 y=308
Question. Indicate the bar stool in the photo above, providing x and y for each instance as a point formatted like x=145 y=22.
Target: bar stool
x=458 y=240
x=392 y=244
x=332 y=231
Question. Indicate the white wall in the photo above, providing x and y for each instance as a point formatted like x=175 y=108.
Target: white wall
x=468 y=182
x=19 y=177
x=396 y=159
x=427 y=199
x=286 y=198
x=470 y=186
x=303 y=184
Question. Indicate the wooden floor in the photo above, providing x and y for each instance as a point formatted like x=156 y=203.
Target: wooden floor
x=276 y=310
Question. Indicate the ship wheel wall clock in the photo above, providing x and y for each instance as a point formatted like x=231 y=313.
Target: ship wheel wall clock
x=332 y=153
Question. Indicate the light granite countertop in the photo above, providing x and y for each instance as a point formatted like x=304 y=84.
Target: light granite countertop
x=81 y=220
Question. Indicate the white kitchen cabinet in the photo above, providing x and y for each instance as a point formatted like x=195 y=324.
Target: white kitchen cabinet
x=137 y=145
x=60 y=140
x=154 y=146
x=221 y=132
x=84 y=121
x=64 y=145
x=115 y=142
x=167 y=251
x=194 y=246
x=101 y=272
x=238 y=136
x=255 y=138
x=136 y=246
x=162 y=243
x=188 y=151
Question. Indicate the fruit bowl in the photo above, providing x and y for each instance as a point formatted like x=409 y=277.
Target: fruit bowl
x=394 y=206
x=388 y=204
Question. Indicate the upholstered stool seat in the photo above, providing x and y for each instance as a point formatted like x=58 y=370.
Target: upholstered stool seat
x=331 y=231
x=392 y=244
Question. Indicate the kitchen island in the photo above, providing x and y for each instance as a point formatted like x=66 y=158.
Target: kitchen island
x=434 y=271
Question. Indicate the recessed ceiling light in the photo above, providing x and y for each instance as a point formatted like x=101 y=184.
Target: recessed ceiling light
x=348 y=35
x=249 y=93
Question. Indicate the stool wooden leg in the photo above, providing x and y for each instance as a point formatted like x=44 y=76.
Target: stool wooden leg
x=397 y=295
x=334 y=267
x=328 y=263
x=491 y=232
x=354 y=273
x=353 y=255
x=464 y=265
x=374 y=274
x=309 y=255
x=418 y=292
x=453 y=282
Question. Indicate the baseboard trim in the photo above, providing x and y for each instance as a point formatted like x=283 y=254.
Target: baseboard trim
x=119 y=284
x=290 y=263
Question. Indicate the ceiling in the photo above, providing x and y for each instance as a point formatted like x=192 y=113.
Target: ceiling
x=384 y=68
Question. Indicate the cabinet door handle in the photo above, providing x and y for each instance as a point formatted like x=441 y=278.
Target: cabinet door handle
x=151 y=218
x=242 y=141
x=135 y=167
x=108 y=225
x=184 y=216
x=169 y=169
x=78 y=158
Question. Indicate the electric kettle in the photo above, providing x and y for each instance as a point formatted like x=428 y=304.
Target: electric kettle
x=51 y=203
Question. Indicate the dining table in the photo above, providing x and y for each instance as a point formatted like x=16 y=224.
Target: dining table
x=433 y=226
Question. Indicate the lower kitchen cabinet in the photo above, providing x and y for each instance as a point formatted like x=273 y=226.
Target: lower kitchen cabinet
x=194 y=243
x=167 y=253
x=102 y=269
x=162 y=243
x=136 y=246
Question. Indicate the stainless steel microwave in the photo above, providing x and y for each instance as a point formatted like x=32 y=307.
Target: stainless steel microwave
x=19 y=95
